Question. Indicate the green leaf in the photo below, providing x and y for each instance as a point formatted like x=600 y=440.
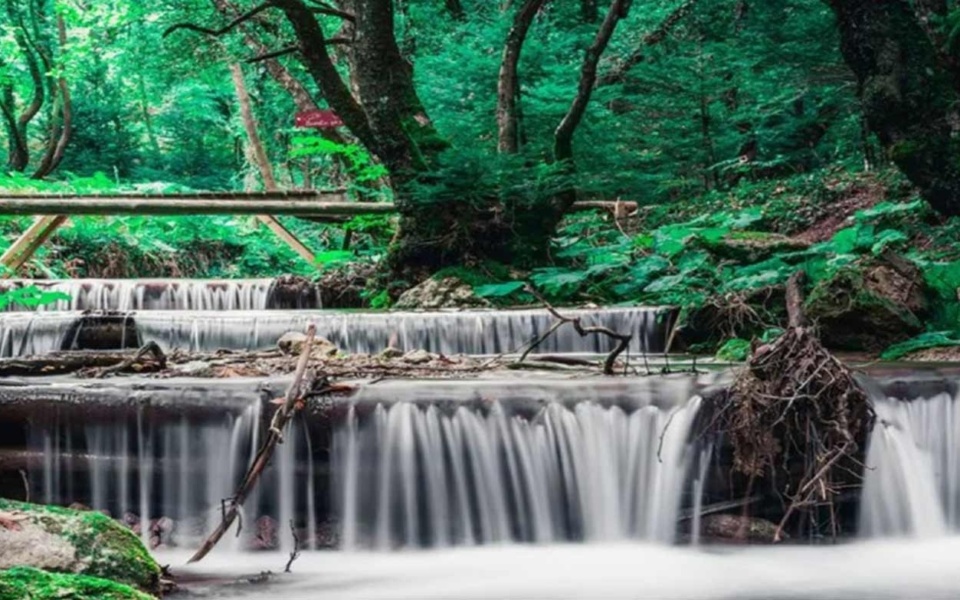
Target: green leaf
x=934 y=339
x=734 y=350
x=498 y=290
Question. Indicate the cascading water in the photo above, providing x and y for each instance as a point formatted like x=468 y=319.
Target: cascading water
x=423 y=476
x=153 y=294
x=912 y=481
x=182 y=469
x=468 y=332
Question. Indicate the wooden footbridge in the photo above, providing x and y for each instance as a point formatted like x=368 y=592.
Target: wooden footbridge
x=53 y=210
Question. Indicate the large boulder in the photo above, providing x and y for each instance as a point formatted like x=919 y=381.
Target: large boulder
x=443 y=292
x=27 y=583
x=869 y=305
x=70 y=541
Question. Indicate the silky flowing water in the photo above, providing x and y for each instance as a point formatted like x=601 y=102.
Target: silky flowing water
x=879 y=570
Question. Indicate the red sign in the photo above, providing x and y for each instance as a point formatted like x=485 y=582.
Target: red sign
x=320 y=119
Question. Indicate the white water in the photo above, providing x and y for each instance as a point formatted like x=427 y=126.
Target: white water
x=468 y=332
x=879 y=570
x=182 y=470
x=417 y=476
x=154 y=294
x=912 y=482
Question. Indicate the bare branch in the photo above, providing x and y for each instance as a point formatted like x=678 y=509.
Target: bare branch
x=226 y=28
x=324 y=8
x=618 y=72
x=274 y=54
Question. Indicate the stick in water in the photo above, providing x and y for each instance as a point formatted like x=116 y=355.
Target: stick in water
x=275 y=436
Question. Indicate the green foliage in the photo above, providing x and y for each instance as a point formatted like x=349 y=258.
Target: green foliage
x=29 y=297
x=734 y=350
x=931 y=339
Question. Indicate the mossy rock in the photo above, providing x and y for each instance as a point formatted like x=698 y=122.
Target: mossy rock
x=868 y=306
x=80 y=542
x=443 y=292
x=753 y=246
x=27 y=583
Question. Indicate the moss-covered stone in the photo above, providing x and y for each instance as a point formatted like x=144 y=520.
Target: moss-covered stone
x=867 y=306
x=26 y=583
x=753 y=246
x=443 y=292
x=70 y=541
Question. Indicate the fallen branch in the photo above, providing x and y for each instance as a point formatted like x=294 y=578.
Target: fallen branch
x=295 y=554
x=71 y=361
x=150 y=348
x=274 y=436
x=623 y=340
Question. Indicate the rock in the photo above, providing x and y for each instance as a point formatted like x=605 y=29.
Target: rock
x=869 y=305
x=267 y=534
x=293 y=292
x=390 y=352
x=33 y=584
x=446 y=292
x=292 y=343
x=753 y=246
x=738 y=529
x=79 y=542
x=418 y=357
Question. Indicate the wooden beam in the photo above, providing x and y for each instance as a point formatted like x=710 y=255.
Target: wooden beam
x=250 y=204
x=287 y=236
x=183 y=206
x=29 y=242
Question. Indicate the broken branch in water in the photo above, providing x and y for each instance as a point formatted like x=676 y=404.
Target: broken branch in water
x=275 y=436
x=295 y=554
x=623 y=340
x=151 y=348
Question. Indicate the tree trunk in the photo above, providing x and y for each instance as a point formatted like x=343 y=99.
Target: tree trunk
x=62 y=130
x=259 y=153
x=508 y=86
x=908 y=97
x=563 y=137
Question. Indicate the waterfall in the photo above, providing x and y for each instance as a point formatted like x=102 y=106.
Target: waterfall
x=912 y=481
x=412 y=475
x=466 y=332
x=181 y=469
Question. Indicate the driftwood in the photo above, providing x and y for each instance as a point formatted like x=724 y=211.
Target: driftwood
x=623 y=339
x=285 y=412
x=147 y=359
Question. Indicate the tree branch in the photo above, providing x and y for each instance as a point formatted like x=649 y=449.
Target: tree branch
x=323 y=8
x=619 y=72
x=226 y=28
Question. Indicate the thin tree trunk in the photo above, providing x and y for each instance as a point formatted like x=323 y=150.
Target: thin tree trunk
x=508 y=85
x=258 y=151
x=60 y=136
x=563 y=136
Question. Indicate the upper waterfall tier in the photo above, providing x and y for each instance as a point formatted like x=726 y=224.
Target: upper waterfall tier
x=170 y=294
x=466 y=332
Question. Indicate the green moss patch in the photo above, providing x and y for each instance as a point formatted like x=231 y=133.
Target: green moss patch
x=26 y=583
x=103 y=547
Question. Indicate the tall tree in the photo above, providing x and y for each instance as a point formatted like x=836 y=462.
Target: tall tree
x=908 y=84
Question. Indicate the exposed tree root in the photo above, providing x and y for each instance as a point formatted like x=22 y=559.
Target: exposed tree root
x=794 y=400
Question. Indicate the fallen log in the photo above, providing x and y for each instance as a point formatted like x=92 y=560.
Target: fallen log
x=145 y=360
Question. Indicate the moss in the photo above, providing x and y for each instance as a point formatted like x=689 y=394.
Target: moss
x=106 y=548
x=854 y=316
x=26 y=583
x=753 y=246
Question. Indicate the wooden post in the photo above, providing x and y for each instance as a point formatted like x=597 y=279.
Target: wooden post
x=29 y=242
